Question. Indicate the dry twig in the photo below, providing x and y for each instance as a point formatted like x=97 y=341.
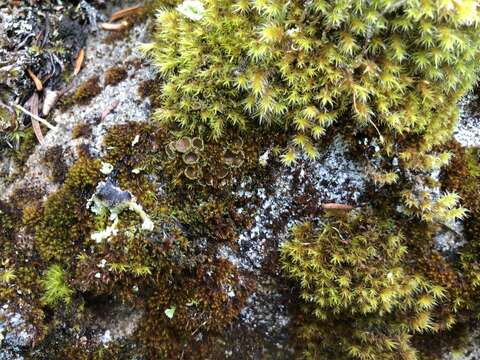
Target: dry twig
x=115 y=27
x=335 y=206
x=125 y=12
x=36 y=117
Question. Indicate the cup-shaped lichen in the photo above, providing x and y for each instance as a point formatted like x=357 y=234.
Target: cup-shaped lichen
x=183 y=145
x=197 y=143
x=192 y=173
x=190 y=158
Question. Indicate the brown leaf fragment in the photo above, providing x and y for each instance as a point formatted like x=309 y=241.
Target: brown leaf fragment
x=36 y=80
x=125 y=12
x=79 y=62
x=335 y=206
x=109 y=109
x=33 y=106
x=115 y=26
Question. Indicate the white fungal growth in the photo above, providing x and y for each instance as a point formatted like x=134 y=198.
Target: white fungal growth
x=136 y=140
x=191 y=9
x=110 y=231
x=106 y=168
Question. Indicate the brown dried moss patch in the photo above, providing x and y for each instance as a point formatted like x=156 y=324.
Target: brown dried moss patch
x=115 y=75
x=87 y=91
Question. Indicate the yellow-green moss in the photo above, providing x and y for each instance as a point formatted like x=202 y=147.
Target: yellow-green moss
x=357 y=270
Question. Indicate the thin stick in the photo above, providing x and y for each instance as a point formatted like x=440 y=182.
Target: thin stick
x=115 y=27
x=335 y=206
x=127 y=11
x=378 y=131
x=38 y=118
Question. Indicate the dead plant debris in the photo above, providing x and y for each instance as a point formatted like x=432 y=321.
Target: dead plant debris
x=36 y=80
x=133 y=10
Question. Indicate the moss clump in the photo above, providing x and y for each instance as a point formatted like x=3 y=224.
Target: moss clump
x=396 y=67
x=26 y=144
x=172 y=264
x=361 y=298
x=115 y=75
x=81 y=130
x=145 y=88
x=463 y=175
x=55 y=288
x=64 y=221
x=87 y=91
x=54 y=160
x=202 y=305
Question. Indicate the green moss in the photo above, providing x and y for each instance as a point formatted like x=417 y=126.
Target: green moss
x=356 y=271
x=64 y=221
x=55 y=288
x=115 y=75
x=27 y=143
x=308 y=67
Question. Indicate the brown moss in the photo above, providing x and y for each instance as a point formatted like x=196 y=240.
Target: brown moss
x=83 y=150
x=115 y=75
x=145 y=88
x=54 y=160
x=81 y=130
x=87 y=91
x=202 y=306
x=135 y=63
x=150 y=89
x=173 y=265
x=26 y=195
x=462 y=176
